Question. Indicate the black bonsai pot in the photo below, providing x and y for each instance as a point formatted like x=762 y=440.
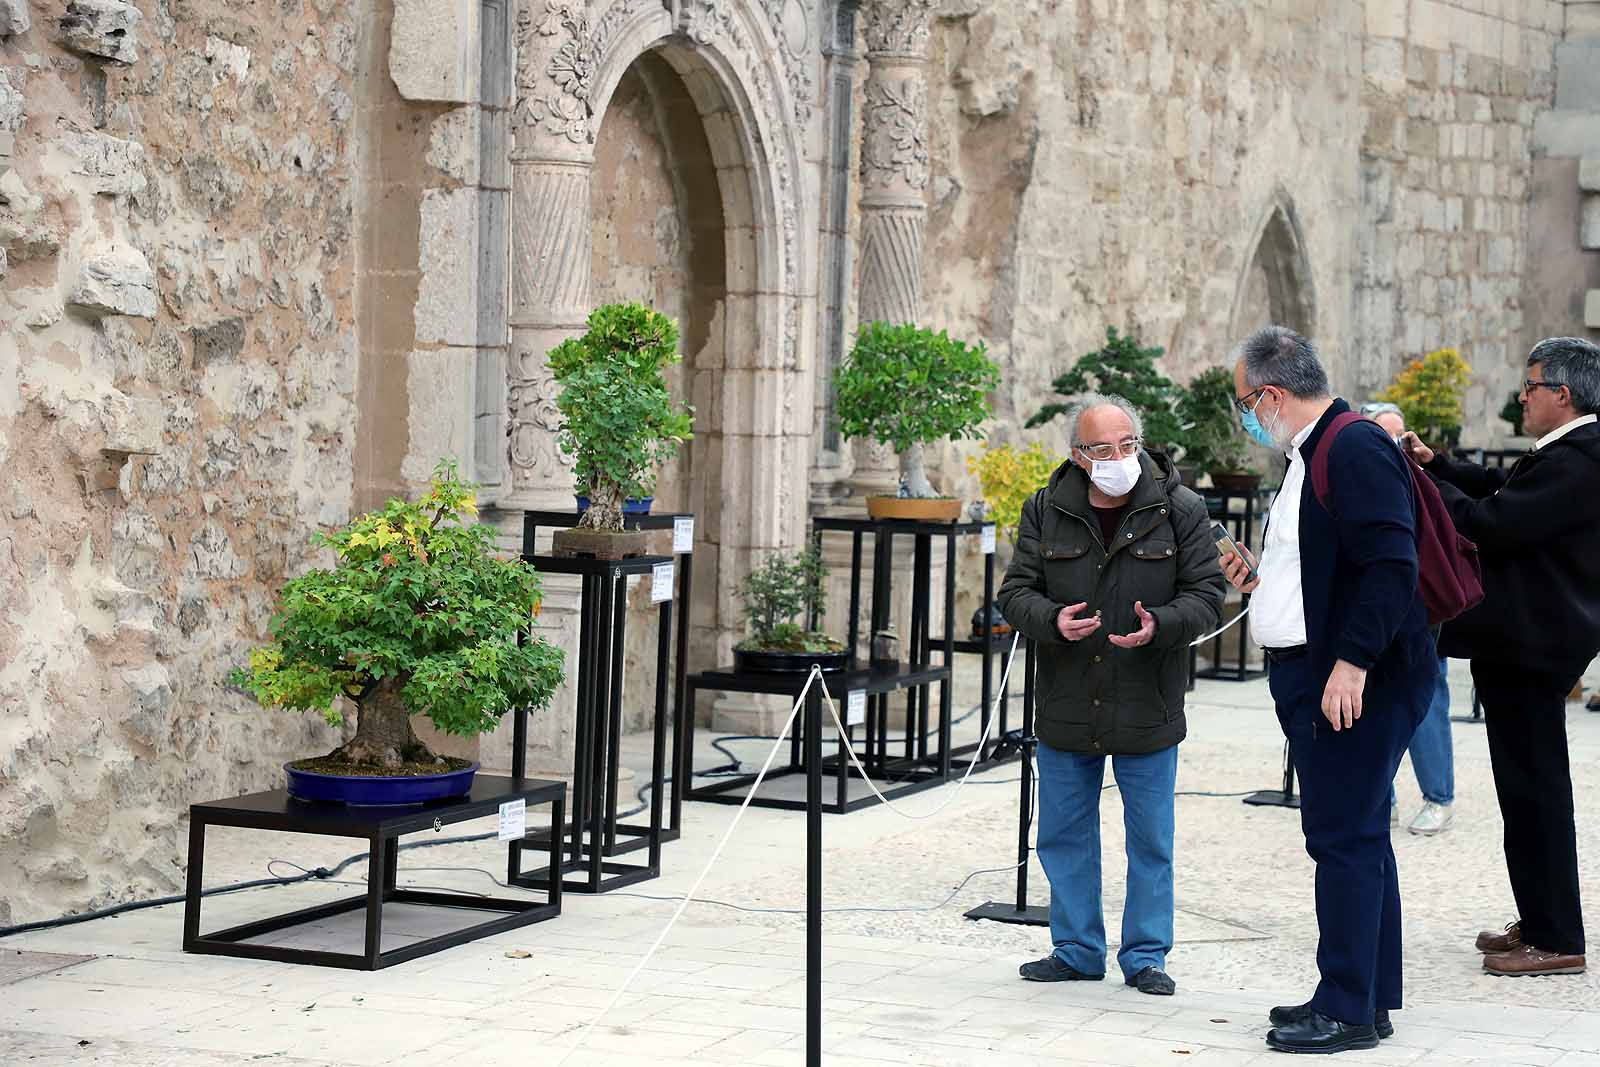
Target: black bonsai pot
x=761 y=661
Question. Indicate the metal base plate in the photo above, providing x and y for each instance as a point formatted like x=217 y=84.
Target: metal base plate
x=1002 y=912
x=1275 y=798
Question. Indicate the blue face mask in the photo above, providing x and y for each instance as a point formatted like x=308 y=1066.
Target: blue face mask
x=1253 y=427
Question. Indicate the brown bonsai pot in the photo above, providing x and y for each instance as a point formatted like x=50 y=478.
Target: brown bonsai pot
x=580 y=543
x=1236 y=481
x=920 y=509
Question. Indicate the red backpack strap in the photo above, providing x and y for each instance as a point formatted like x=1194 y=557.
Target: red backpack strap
x=1319 y=461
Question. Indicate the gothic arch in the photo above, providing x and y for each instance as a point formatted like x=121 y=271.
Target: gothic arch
x=1276 y=286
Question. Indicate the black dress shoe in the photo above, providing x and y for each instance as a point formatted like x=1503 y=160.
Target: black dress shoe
x=1152 y=980
x=1319 y=1033
x=1051 y=969
x=1291 y=1014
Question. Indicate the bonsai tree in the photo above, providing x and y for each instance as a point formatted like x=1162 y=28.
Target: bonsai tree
x=907 y=387
x=781 y=588
x=617 y=416
x=1122 y=368
x=1008 y=477
x=1430 y=392
x=1212 y=437
x=1512 y=413
x=417 y=616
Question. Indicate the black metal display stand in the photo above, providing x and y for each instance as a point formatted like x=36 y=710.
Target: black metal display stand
x=1242 y=525
x=381 y=827
x=1278 y=798
x=683 y=555
x=991 y=646
x=595 y=835
x=1021 y=913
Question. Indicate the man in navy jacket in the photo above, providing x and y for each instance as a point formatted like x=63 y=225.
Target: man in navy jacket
x=1529 y=641
x=1337 y=610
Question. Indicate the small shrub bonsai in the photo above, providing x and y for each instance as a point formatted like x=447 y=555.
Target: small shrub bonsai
x=780 y=588
x=907 y=386
x=417 y=616
x=1430 y=393
x=1121 y=367
x=1209 y=425
x=1008 y=477
x=1512 y=413
x=618 y=418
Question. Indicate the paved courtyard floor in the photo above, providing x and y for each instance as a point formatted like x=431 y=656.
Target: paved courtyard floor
x=907 y=980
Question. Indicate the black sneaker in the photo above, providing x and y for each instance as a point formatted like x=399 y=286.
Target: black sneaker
x=1289 y=1015
x=1152 y=980
x=1051 y=969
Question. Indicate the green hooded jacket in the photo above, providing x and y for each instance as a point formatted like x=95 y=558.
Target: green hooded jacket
x=1093 y=697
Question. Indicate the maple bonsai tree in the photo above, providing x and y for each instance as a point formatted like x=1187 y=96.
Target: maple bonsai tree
x=618 y=418
x=417 y=616
x=907 y=386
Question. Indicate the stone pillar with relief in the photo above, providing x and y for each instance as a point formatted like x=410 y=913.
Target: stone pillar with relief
x=552 y=157
x=894 y=184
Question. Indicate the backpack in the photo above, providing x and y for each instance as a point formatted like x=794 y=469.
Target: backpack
x=1448 y=573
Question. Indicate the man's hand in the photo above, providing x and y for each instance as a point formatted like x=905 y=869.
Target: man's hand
x=1341 y=700
x=1143 y=635
x=1072 y=628
x=1413 y=446
x=1236 y=570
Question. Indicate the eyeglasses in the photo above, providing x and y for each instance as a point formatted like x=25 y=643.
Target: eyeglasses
x=1243 y=403
x=1128 y=446
x=1529 y=385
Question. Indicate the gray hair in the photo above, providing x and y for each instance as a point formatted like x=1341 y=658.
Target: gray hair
x=1381 y=407
x=1574 y=363
x=1278 y=356
x=1089 y=401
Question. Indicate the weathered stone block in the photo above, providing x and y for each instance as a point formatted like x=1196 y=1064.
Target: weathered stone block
x=11 y=104
x=134 y=424
x=14 y=17
x=441 y=390
x=1578 y=75
x=1589 y=175
x=447 y=258
x=1589 y=233
x=115 y=280
x=221 y=342
x=105 y=29
x=1591 y=309
x=434 y=50
x=7 y=146
x=113 y=166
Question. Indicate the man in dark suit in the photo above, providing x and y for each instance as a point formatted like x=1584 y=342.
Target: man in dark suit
x=1351 y=662
x=1537 y=527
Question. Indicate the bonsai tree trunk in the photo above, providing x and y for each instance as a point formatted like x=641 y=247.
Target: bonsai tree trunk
x=914 y=467
x=384 y=737
x=605 y=507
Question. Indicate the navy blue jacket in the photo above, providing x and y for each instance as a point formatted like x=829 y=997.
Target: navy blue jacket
x=1358 y=564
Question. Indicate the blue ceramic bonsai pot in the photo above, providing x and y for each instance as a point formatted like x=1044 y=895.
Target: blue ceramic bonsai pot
x=631 y=506
x=377 y=790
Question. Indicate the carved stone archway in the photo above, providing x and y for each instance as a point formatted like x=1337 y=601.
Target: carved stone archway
x=1276 y=287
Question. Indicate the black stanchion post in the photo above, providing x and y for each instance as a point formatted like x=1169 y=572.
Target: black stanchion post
x=1278 y=798
x=813 y=745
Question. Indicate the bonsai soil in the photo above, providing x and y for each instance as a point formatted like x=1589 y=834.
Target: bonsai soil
x=408 y=769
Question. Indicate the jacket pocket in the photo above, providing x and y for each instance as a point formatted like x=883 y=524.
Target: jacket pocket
x=1069 y=576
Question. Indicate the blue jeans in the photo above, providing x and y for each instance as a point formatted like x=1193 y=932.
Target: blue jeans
x=1069 y=851
x=1432 y=756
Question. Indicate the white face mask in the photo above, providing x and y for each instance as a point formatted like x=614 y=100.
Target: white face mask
x=1116 y=477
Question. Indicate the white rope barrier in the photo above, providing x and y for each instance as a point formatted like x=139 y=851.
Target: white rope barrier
x=688 y=898
x=1225 y=628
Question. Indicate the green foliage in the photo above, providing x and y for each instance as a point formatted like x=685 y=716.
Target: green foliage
x=619 y=419
x=417 y=595
x=1213 y=439
x=1008 y=477
x=906 y=385
x=1122 y=368
x=1430 y=392
x=1512 y=413
x=775 y=592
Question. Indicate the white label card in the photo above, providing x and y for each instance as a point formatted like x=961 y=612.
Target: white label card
x=513 y=820
x=683 y=535
x=988 y=540
x=661 y=580
x=855 y=707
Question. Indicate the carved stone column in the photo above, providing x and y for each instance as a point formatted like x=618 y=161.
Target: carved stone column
x=551 y=159
x=894 y=183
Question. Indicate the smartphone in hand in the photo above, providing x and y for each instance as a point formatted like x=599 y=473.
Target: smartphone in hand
x=1226 y=545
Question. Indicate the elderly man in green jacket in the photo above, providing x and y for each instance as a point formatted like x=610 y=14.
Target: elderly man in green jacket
x=1115 y=573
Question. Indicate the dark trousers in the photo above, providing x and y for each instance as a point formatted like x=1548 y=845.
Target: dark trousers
x=1525 y=714
x=1344 y=812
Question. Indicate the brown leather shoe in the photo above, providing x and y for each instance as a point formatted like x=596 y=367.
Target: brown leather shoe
x=1501 y=940
x=1528 y=960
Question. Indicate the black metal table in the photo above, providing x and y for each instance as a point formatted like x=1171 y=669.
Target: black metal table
x=381 y=827
x=875 y=683
x=532 y=521
x=596 y=835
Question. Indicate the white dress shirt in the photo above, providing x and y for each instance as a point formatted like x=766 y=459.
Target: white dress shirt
x=1277 y=608
x=1561 y=431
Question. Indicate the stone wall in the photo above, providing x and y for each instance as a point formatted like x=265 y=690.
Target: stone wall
x=177 y=368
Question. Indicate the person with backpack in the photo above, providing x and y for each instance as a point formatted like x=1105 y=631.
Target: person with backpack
x=1114 y=574
x=1537 y=526
x=1339 y=610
